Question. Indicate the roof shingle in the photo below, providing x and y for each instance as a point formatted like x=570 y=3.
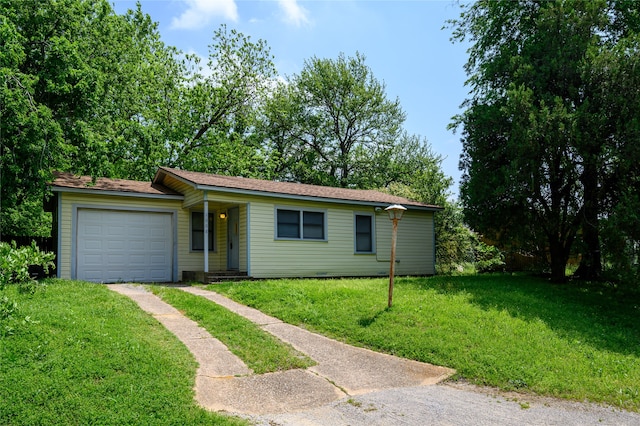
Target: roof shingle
x=71 y=181
x=288 y=188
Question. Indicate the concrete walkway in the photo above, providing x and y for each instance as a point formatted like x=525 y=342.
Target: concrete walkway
x=224 y=383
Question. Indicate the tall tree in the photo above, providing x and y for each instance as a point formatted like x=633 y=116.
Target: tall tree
x=85 y=90
x=45 y=99
x=615 y=78
x=534 y=144
x=332 y=123
x=211 y=128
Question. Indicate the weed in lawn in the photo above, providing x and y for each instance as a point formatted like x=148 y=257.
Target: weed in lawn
x=355 y=403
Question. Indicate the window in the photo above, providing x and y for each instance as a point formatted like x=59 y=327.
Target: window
x=197 y=231
x=288 y=224
x=300 y=224
x=364 y=233
x=313 y=225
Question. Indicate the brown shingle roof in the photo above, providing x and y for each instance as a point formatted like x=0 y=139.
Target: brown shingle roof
x=71 y=181
x=287 y=188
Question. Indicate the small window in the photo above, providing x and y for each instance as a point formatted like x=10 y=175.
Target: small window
x=300 y=224
x=364 y=233
x=197 y=231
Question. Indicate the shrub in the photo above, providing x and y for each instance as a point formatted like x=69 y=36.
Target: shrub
x=14 y=269
x=487 y=258
x=15 y=263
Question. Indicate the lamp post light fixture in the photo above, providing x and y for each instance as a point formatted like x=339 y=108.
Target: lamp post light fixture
x=395 y=214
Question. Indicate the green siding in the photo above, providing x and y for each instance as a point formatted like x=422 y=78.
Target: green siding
x=260 y=253
x=336 y=257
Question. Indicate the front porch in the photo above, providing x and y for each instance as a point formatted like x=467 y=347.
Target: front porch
x=218 y=246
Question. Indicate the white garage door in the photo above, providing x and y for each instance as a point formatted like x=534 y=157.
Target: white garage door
x=117 y=246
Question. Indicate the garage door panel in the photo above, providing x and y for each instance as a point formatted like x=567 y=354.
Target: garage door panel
x=93 y=230
x=114 y=245
x=93 y=244
x=138 y=245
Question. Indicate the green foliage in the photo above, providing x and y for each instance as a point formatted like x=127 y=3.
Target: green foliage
x=14 y=269
x=93 y=357
x=621 y=241
x=8 y=316
x=88 y=91
x=514 y=332
x=487 y=257
x=15 y=262
x=550 y=131
x=210 y=124
x=333 y=125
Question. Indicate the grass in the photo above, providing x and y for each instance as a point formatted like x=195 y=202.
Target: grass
x=262 y=352
x=575 y=341
x=87 y=355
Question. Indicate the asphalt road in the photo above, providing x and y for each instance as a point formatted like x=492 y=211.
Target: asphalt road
x=451 y=404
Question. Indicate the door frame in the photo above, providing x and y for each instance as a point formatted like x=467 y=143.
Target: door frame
x=233 y=239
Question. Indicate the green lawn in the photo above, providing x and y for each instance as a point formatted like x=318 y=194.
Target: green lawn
x=522 y=333
x=262 y=352
x=77 y=353
x=90 y=356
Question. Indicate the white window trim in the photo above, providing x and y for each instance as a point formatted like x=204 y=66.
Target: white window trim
x=214 y=230
x=300 y=211
x=373 y=233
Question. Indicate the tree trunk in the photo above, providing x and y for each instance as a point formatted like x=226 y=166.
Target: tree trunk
x=591 y=264
x=558 y=260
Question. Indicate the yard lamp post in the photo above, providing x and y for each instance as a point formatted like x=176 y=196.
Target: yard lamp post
x=395 y=214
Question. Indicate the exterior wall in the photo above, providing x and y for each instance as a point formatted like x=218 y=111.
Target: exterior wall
x=194 y=260
x=261 y=254
x=335 y=257
x=192 y=197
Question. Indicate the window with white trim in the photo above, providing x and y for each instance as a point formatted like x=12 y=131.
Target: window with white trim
x=363 y=233
x=298 y=224
x=197 y=231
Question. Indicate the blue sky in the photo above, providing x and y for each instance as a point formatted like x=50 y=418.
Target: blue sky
x=403 y=42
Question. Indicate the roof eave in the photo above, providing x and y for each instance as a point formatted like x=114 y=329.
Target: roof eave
x=307 y=197
x=94 y=191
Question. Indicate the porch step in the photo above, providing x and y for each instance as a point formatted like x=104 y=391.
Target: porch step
x=214 y=276
x=222 y=276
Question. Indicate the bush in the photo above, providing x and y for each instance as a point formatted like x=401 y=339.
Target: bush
x=15 y=263
x=487 y=258
x=14 y=269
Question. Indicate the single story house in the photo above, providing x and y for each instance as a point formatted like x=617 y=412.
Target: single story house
x=184 y=224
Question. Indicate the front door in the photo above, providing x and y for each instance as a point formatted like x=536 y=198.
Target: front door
x=233 y=239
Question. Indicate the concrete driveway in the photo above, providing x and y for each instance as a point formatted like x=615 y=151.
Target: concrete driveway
x=349 y=385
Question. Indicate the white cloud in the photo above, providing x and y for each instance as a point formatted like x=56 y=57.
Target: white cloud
x=201 y=12
x=293 y=12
